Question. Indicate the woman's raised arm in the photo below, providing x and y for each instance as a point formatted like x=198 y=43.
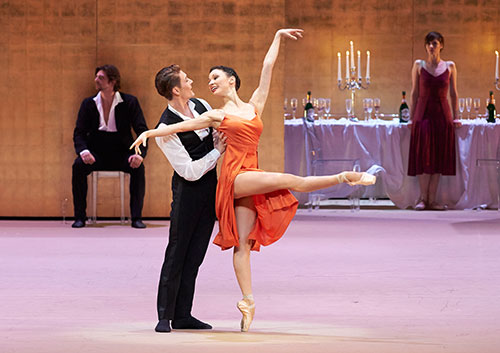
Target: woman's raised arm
x=211 y=118
x=259 y=97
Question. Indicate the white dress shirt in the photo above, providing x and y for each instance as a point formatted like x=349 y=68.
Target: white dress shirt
x=111 y=126
x=177 y=154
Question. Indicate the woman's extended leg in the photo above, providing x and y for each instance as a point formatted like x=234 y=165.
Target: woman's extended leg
x=245 y=214
x=254 y=183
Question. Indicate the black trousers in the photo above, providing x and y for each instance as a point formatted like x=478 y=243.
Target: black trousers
x=110 y=154
x=191 y=223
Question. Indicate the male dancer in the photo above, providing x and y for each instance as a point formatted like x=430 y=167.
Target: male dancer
x=193 y=157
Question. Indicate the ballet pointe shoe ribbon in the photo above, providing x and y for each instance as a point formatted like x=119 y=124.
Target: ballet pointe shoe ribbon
x=364 y=178
x=247 y=309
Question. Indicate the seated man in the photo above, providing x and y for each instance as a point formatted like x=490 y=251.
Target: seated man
x=102 y=138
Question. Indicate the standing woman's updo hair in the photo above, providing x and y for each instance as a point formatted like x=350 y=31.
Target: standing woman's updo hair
x=230 y=72
x=434 y=35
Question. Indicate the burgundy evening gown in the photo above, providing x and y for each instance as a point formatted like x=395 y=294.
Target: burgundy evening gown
x=432 y=143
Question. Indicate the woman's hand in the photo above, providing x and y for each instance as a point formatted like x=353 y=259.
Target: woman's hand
x=292 y=33
x=137 y=143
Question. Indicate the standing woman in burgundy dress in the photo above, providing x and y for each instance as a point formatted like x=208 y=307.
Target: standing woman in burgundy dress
x=432 y=144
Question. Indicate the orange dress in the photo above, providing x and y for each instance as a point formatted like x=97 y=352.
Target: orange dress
x=275 y=210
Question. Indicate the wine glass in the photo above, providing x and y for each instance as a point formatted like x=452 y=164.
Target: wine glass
x=468 y=106
x=365 y=107
x=477 y=105
x=285 y=108
x=315 y=106
x=293 y=104
x=348 y=106
x=328 y=105
x=369 y=107
x=376 y=106
x=461 y=106
x=321 y=107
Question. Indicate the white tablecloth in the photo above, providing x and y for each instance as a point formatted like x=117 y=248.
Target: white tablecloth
x=382 y=148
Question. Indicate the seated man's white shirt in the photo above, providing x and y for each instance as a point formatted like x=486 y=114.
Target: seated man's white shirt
x=177 y=154
x=111 y=126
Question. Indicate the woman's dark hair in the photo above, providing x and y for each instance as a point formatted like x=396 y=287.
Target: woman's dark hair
x=434 y=35
x=230 y=72
x=166 y=79
x=112 y=73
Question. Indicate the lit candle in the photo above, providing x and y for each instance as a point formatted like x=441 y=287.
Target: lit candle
x=367 y=64
x=496 y=65
x=359 y=65
x=352 y=54
x=347 y=65
x=339 y=72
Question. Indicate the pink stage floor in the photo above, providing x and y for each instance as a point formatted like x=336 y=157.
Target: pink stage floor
x=374 y=281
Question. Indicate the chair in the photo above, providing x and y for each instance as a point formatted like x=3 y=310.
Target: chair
x=95 y=176
x=317 y=165
x=492 y=162
x=484 y=162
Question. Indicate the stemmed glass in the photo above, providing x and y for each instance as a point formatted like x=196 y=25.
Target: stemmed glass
x=365 y=108
x=461 y=107
x=328 y=105
x=348 y=106
x=369 y=107
x=285 y=108
x=468 y=106
x=321 y=108
x=376 y=105
x=477 y=105
x=315 y=106
x=293 y=104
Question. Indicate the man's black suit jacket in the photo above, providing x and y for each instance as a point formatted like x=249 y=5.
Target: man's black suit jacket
x=128 y=114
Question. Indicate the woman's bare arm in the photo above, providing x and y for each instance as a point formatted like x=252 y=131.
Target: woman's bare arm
x=259 y=97
x=415 y=76
x=453 y=88
x=211 y=118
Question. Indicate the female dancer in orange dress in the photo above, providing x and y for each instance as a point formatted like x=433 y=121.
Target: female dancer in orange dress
x=253 y=207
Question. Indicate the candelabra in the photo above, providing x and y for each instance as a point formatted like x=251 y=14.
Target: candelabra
x=497 y=78
x=352 y=81
x=353 y=84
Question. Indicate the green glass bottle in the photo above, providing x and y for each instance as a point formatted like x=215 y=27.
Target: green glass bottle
x=404 y=111
x=492 y=112
x=308 y=108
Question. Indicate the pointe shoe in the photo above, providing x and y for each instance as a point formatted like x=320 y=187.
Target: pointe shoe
x=248 y=311
x=365 y=179
x=421 y=205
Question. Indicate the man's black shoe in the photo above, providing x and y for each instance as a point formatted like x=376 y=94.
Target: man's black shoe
x=163 y=326
x=138 y=224
x=78 y=224
x=190 y=323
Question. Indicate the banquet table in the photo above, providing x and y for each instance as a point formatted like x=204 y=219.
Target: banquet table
x=382 y=148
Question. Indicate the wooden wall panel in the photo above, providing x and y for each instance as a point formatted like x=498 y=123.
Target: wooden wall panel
x=49 y=49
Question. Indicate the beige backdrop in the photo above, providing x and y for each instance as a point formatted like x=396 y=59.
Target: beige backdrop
x=49 y=50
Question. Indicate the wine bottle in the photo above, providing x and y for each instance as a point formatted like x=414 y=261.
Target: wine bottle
x=404 y=111
x=492 y=112
x=308 y=108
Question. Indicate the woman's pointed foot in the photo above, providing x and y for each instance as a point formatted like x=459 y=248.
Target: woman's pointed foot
x=421 y=205
x=356 y=178
x=247 y=308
